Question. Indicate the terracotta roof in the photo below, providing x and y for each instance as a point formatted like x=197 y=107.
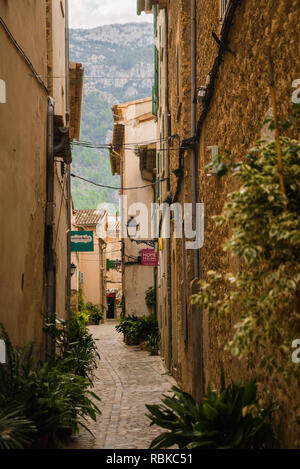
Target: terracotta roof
x=130 y=103
x=88 y=217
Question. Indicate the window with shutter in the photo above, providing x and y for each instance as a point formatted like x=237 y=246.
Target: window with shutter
x=156 y=85
x=155 y=20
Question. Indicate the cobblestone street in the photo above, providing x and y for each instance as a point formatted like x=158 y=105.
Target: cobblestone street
x=127 y=378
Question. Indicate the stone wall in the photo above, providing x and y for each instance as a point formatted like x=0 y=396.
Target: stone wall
x=239 y=104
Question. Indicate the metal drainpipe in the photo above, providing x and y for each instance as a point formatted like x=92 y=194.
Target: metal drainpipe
x=169 y=271
x=197 y=261
x=68 y=166
x=193 y=127
x=49 y=252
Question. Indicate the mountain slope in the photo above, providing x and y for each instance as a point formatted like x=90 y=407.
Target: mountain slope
x=118 y=63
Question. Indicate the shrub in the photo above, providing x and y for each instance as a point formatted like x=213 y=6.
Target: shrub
x=153 y=342
x=76 y=348
x=150 y=297
x=83 y=317
x=48 y=399
x=94 y=313
x=55 y=401
x=233 y=419
x=16 y=431
x=265 y=240
x=137 y=329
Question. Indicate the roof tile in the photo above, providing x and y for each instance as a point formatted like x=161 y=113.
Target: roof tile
x=88 y=217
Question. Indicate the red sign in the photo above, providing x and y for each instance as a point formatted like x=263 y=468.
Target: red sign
x=149 y=257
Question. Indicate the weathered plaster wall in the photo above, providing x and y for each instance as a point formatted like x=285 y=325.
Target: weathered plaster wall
x=57 y=90
x=22 y=174
x=23 y=133
x=89 y=265
x=137 y=278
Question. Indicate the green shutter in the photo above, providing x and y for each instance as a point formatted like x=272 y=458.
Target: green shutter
x=139 y=7
x=163 y=141
x=155 y=19
x=155 y=87
x=154 y=103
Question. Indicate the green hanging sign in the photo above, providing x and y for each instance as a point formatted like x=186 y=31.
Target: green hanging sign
x=82 y=241
x=115 y=264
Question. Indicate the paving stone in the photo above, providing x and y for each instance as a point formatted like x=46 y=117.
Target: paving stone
x=126 y=379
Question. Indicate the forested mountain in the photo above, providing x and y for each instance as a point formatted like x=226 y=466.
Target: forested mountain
x=118 y=63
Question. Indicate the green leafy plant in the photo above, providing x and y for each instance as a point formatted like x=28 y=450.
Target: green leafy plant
x=127 y=326
x=80 y=299
x=266 y=239
x=83 y=316
x=122 y=305
x=56 y=402
x=150 y=298
x=137 y=329
x=153 y=342
x=16 y=431
x=221 y=163
x=48 y=400
x=76 y=348
x=231 y=419
x=94 y=312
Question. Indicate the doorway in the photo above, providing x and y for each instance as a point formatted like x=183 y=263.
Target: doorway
x=111 y=307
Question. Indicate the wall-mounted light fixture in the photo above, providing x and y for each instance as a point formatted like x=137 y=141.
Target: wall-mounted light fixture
x=73 y=269
x=132 y=229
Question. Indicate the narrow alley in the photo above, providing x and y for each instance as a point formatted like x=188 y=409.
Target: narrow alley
x=149 y=199
x=126 y=379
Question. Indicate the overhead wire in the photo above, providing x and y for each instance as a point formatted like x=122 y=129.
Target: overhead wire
x=113 y=187
x=93 y=77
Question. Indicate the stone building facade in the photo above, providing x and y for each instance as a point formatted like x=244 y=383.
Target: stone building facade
x=213 y=63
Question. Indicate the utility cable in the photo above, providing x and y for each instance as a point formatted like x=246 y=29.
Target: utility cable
x=115 y=188
x=23 y=55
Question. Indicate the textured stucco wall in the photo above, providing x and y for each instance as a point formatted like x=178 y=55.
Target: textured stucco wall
x=89 y=265
x=137 y=278
x=23 y=135
x=57 y=89
x=22 y=174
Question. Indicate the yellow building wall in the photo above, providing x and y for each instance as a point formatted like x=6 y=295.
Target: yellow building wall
x=89 y=265
x=22 y=173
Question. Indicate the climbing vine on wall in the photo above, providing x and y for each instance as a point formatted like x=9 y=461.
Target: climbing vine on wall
x=264 y=294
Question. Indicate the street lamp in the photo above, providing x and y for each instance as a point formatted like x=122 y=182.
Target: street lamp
x=73 y=269
x=132 y=229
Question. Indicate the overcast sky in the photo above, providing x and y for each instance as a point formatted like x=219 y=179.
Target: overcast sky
x=93 y=13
